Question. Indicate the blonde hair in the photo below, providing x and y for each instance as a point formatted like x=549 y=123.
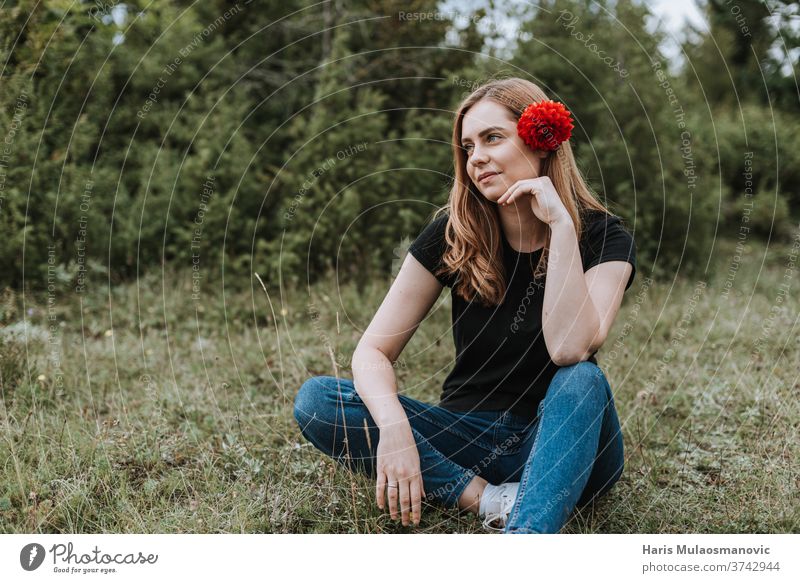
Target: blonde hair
x=473 y=233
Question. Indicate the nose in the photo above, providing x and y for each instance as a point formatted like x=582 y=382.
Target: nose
x=477 y=158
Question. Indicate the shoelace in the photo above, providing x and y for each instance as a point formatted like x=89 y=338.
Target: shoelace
x=506 y=504
x=490 y=518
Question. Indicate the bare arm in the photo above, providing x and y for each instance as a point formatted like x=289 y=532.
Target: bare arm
x=408 y=301
x=410 y=298
x=579 y=309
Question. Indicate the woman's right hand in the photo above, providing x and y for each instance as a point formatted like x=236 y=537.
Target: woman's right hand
x=399 y=475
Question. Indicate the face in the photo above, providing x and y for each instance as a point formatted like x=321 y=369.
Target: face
x=496 y=156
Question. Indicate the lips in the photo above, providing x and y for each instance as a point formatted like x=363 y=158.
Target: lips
x=486 y=175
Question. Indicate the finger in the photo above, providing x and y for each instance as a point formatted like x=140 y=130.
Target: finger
x=527 y=190
x=505 y=195
x=380 y=490
x=515 y=193
x=416 y=502
x=405 y=501
x=391 y=493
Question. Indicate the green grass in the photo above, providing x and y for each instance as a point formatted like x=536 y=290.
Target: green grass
x=176 y=416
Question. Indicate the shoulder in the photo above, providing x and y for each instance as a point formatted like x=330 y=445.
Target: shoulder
x=440 y=223
x=433 y=233
x=597 y=226
x=604 y=238
x=430 y=246
x=593 y=216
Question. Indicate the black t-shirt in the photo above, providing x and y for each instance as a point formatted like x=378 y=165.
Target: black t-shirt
x=502 y=362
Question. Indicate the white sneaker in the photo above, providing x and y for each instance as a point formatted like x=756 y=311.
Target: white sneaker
x=496 y=504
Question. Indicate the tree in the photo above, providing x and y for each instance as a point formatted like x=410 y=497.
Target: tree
x=633 y=138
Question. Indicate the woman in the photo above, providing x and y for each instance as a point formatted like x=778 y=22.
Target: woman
x=526 y=428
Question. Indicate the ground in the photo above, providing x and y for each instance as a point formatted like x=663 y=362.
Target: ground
x=174 y=414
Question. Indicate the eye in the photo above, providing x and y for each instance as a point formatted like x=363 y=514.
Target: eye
x=468 y=147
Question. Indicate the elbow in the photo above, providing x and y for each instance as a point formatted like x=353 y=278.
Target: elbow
x=366 y=356
x=566 y=357
x=358 y=355
x=569 y=358
x=571 y=350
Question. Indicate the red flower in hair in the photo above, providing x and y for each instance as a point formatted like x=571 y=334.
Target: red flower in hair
x=544 y=125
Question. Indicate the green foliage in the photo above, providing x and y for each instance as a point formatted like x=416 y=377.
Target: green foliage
x=293 y=138
x=12 y=366
x=763 y=142
x=634 y=137
x=746 y=55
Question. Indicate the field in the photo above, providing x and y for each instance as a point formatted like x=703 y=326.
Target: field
x=144 y=410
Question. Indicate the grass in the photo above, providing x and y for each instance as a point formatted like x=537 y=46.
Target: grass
x=176 y=416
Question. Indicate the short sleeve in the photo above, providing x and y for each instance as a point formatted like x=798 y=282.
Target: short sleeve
x=429 y=247
x=605 y=239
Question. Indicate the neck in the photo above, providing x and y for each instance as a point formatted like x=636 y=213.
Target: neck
x=524 y=231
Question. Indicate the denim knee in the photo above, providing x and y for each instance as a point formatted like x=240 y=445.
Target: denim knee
x=311 y=402
x=585 y=368
x=579 y=381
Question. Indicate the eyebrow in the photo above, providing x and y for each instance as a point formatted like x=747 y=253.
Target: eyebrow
x=484 y=132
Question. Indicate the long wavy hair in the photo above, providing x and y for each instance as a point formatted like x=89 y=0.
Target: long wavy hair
x=473 y=234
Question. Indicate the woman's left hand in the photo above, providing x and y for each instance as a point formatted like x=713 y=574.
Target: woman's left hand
x=545 y=202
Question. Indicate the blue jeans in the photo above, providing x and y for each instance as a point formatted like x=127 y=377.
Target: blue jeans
x=570 y=453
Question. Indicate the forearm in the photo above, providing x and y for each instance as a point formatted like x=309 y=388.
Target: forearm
x=570 y=321
x=376 y=384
